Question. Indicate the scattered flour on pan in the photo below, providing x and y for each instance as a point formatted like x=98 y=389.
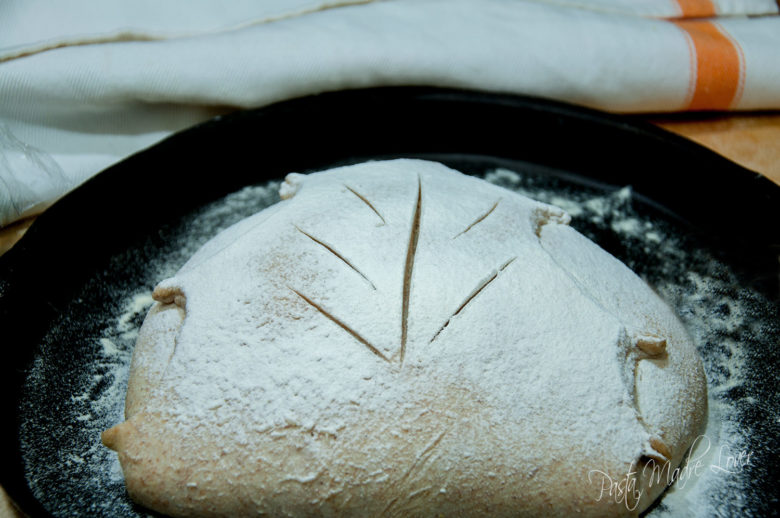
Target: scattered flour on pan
x=730 y=469
x=71 y=473
x=72 y=397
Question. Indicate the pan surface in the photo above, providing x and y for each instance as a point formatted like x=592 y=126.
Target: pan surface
x=701 y=230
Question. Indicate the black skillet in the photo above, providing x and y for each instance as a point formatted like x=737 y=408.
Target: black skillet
x=732 y=211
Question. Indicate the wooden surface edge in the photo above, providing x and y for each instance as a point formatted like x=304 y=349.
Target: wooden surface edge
x=7 y=508
x=12 y=233
x=751 y=140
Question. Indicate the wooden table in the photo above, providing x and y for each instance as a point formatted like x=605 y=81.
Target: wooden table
x=751 y=140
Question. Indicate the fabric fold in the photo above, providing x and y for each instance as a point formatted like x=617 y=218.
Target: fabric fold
x=89 y=105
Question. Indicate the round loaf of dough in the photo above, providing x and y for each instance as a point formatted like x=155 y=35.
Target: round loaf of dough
x=399 y=339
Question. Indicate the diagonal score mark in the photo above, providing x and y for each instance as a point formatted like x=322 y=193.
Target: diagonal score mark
x=365 y=200
x=418 y=462
x=341 y=324
x=410 y=253
x=479 y=219
x=425 y=454
x=334 y=252
x=481 y=286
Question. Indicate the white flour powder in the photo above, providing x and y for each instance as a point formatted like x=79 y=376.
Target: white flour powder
x=723 y=317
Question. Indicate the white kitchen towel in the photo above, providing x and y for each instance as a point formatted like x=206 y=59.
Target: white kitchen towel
x=84 y=84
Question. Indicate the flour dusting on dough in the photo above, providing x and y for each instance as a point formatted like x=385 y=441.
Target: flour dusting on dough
x=694 y=282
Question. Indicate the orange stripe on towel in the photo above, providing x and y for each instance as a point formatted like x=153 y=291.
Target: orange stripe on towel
x=717 y=66
x=696 y=8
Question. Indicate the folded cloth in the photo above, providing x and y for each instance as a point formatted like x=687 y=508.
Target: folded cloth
x=85 y=84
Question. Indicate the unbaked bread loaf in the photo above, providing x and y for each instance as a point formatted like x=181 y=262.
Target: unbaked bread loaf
x=398 y=339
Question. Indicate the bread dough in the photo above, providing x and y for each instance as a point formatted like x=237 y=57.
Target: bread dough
x=396 y=338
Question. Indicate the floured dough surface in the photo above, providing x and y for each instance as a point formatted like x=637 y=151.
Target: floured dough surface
x=398 y=338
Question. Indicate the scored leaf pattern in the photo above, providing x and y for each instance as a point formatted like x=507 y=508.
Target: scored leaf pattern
x=411 y=253
x=645 y=345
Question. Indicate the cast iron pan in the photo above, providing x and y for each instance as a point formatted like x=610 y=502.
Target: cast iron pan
x=58 y=283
